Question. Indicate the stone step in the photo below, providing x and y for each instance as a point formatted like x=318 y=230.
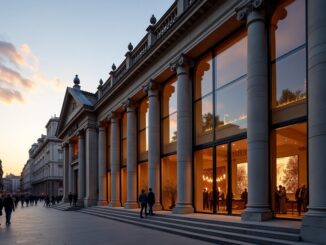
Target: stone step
x=65 y=207
x=173 y=217
x=256 y=231
x=200 y=229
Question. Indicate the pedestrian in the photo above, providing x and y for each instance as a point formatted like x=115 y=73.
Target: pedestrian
x=143 y=203
x=75 y=199
x=150 y=201
x=9 y=206
x=1 y=206
x=70 y=198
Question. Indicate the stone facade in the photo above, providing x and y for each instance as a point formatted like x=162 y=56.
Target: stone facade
x=113 y=147
x=43 y=172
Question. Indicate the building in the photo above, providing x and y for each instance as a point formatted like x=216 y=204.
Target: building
x=43 y=172
x=218 y=97
x=11 y=183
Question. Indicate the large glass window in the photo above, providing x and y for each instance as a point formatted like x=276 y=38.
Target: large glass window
x=109 y=186
x=123 y=186
x=230 y=85
x=124 y=140
x=289 y=170
x=204 y=100
x=108 y=146
x=204 y=195
x=143 y=177
x=288 y=53
x=169 y=182
x=143 y=130
x=169 y=116
x=239 y=168
x=220 y=91
x=222 y=178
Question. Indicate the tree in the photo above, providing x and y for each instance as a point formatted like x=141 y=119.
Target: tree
x=1 y=174
x=289 y=96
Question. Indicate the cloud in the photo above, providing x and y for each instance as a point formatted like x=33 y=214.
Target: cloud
x=9 y=95
x=20 y=72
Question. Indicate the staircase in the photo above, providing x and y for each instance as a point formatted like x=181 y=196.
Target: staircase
x=215 y=231
x=64 y=206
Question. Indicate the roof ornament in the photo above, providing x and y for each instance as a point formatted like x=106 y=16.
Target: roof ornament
x=152 y=20
x=113 y=67
x=130 y=47
x=76 y=80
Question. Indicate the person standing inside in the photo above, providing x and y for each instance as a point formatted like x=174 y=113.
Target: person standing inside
x=150 y=201
x=9 y=206
x=244 y=197
x=143 y=203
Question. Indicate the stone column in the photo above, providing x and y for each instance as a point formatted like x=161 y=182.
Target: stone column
x=81 y=167
x=184 y=135
x=91 y=166
x=70 y=170
x=258 y=208
x=65 y=147
x=131 y=155
x=102 y=171
x=115 y=160
x=314 y=222
x=154 y=159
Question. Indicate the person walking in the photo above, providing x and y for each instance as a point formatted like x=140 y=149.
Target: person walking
x=1 y=206
x=70 y=198
x=9 y=206
x=150 y=201
x=143 y=203
x=75 y=197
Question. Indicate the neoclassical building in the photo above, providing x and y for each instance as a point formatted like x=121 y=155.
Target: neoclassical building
x=219 y=109
x=43 y=172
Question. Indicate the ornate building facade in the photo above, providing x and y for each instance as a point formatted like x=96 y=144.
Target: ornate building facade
x=219 y=109
x=43 y=172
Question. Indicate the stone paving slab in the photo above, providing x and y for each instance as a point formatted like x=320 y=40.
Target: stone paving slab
x=38 y=225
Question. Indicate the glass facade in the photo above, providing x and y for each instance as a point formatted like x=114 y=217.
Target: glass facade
x=123 y=195
x=169 y=182
x=143 y=177
x=169 y=116
x=143 y=130
x=288 y=53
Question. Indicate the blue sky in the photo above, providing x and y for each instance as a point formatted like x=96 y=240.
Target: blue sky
x=43 y=44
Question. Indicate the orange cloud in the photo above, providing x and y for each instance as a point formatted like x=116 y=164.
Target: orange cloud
x=9 y=95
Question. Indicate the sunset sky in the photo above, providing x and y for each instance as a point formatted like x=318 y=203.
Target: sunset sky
x=43 y=44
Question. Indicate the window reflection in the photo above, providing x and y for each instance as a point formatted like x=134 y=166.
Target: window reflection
x=288 y=53
x=231 y=107
x=143 y=176
x=204 y=77
x=169 y=116
x=124 y=139
x=123 y=186
x=143 y=130
x=204 y=121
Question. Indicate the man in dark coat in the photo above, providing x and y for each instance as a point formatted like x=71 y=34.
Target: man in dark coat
x=143 y=203
x=151 y=200
x=9 y=206
x=70 y=198
x=1 y=205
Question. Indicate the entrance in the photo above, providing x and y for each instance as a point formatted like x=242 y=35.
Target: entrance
x=221 y=178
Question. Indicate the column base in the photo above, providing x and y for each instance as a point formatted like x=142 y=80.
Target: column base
x=313 y=227
x=89 y=202
x=257 y=214
x=80 y=202
x=102 y=203
x=114 y=204
x=157 y=207
x=131 y=205
x=183 y=209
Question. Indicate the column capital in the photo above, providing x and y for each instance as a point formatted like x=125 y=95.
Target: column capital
x=64 y=144
x=113 y=116
x=242 y=12
x=81 y=132
x=151 y=86
x=101 y=125
x=183 y=61
x=129 y=105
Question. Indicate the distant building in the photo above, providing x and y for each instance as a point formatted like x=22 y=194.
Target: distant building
x=11 y=183
x=43 y=172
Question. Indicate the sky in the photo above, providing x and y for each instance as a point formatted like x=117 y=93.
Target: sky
x=43 y=44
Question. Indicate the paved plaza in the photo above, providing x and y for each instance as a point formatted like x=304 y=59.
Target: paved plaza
x=40 y=225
